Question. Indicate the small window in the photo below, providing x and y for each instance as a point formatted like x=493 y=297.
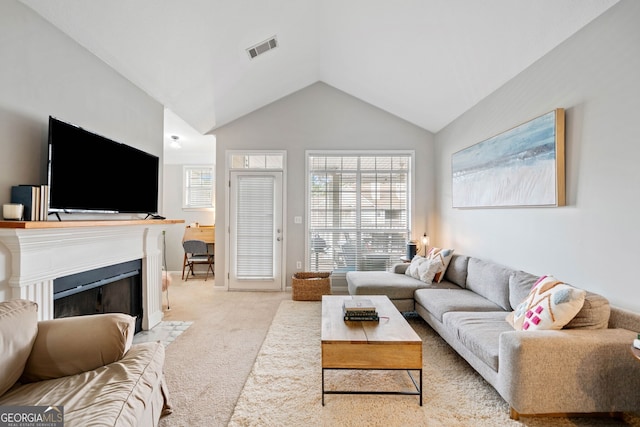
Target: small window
x=257 y=161
x=198 y=187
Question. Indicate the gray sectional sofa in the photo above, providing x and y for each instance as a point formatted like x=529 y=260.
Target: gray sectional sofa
x=585 y=367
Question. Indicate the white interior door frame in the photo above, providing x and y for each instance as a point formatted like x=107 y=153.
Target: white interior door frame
x=232 y=279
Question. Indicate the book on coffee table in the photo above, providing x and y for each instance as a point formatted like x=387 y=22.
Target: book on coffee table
x=358 y=305
x=362 y=318
x=360 y=309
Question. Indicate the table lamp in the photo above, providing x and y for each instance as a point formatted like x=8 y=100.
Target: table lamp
x=425 y=243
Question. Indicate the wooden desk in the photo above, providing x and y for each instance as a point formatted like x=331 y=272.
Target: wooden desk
x=206 y=233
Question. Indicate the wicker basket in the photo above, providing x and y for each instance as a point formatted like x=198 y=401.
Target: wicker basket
x=310 y=286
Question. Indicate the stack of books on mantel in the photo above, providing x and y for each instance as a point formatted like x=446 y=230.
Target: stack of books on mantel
x=34 y=198
x=359 y=309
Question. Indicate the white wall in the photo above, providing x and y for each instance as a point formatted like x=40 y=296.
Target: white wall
x=44 y=73
x=196 y=149
x=592 y=242
x=173 y=209
x=319 y=117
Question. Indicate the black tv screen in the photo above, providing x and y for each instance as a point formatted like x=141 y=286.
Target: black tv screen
x=90 y=173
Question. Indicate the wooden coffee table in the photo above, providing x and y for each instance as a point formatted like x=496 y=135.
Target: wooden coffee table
x=390 y=344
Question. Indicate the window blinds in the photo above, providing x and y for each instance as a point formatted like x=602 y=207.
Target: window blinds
x=255 y=227
x=198 y=191
x=358 y=210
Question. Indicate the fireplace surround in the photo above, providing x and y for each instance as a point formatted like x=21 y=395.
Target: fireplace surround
x=112 y=289
x=42 y=251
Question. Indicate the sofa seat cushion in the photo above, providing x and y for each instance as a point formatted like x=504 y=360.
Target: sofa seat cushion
x=116 y=394
x=18 y=330
x=440 y=300
x=479 y=332
x=394 y=286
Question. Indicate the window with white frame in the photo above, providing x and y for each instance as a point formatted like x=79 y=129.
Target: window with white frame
x=358 y=209
x=198 y=190
x=248 y=160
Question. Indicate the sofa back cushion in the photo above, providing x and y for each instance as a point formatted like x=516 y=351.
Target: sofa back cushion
x=456 y=273
x=625 y=319
x=594 y=313
x=18 y=330
x=520 y=284
x=489 y=280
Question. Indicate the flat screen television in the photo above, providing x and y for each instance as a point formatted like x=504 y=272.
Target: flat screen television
x=87 y=172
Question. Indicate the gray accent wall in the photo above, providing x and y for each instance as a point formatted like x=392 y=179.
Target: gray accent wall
x=593 y=241
x=44 y=72
x=319 y=117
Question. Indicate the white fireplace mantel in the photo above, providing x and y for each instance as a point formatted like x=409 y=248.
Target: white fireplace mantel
x=43 y=251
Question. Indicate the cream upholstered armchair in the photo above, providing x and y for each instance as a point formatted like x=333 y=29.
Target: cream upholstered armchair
x=88 y=365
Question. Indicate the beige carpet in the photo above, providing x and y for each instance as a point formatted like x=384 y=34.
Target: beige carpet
x=284 y=386
x=206 y=366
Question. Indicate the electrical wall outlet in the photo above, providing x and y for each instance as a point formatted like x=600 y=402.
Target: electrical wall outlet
x=299 y=265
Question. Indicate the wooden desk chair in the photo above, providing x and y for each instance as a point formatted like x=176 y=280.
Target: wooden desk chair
x=196 y=252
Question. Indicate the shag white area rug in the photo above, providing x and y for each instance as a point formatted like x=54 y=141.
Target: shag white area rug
x=284 y=387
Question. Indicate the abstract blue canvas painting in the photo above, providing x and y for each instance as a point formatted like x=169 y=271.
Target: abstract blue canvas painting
x=523 y=166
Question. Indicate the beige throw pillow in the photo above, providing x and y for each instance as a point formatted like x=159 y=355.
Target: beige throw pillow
x=412 y=270
x=443 y=256
x=71 y=345
x=427 y=270
x=551 y=304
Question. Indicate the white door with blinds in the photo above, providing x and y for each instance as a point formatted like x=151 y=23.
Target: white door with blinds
x=255 y=230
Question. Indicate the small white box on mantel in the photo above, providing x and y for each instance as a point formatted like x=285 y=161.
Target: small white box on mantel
x=12 y=211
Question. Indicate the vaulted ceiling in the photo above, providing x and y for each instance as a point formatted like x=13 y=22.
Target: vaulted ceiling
x=426 y=61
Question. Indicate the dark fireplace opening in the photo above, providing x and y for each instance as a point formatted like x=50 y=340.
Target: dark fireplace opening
x=112 y=289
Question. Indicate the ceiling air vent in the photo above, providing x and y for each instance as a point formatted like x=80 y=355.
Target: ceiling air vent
x=262 y=47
